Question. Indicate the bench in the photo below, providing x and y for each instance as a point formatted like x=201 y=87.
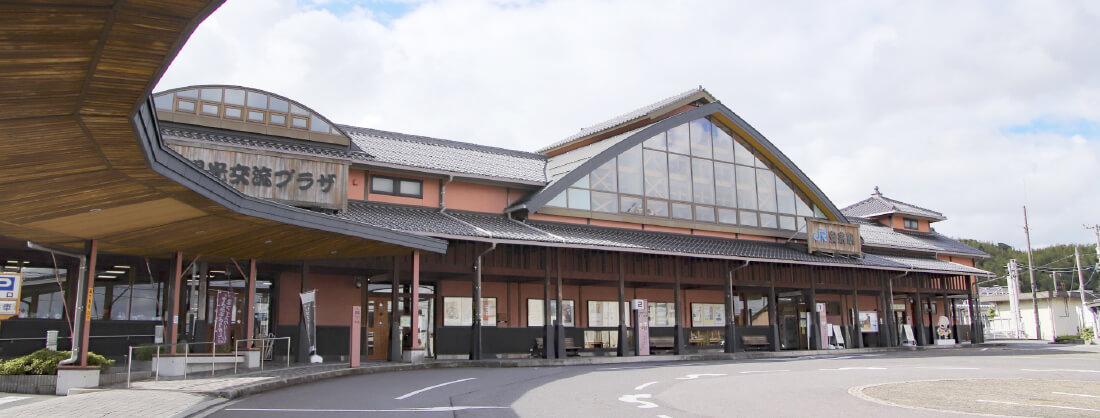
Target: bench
x=755 y=341
x=571 y=347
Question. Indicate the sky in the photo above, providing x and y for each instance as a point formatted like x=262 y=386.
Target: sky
x=973 y=109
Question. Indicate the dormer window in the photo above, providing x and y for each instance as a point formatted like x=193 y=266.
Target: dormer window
x=911 y=223
x=396 y=186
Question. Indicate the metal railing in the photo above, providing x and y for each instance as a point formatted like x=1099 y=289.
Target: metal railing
x=213 y=355
x=263 y=349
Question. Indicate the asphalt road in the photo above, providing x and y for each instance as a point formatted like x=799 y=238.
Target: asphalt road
x=1020 y=380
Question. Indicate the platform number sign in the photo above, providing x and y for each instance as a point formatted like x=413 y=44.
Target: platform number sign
x=10 y=284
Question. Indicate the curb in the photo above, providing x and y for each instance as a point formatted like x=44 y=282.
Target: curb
x=278 y=383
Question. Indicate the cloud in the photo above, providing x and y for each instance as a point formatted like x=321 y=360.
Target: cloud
x=966 y=108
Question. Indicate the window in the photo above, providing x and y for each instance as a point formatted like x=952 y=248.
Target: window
x=535 y=314
x=396 y=186
x=603 y=313
x=911 y=223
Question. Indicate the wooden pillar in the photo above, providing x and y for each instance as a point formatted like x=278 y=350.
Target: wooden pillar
x=857 y=332
x=972 y=310
x=731 y=322
x=395 y=311
x=773 y=308
x=250 y=303
x=559 y=325
x=815 y=321
x=91 y=249
x=548 y=345
x=678 y=336
x=414 y=301
x=919 y=316
x=623 y=316
x=889 y=316
x=174 y=319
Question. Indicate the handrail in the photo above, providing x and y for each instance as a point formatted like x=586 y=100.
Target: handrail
x=213 y=355
x=69 y=337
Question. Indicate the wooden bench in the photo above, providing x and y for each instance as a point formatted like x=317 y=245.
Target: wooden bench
x=571 y=347
x=755 y=341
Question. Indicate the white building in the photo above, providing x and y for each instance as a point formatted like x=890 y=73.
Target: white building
x=1064 y=311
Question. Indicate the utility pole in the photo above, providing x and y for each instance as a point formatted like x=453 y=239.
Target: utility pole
x=1081 y=288
x=1031 y=276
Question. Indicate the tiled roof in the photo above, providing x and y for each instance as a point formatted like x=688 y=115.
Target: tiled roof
x=878 y=204
x=428 y=221
x=628 y=117
x=247 y=140
x=881 y=236
x=442 y=155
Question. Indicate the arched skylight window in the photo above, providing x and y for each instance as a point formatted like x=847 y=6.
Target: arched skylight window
x=250 y=106
x=695 y=172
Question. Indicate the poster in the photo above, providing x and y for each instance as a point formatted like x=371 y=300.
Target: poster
x=223 y=315
x=458 y=311
x=708 y=315
x=868 y=321
x=535 y=314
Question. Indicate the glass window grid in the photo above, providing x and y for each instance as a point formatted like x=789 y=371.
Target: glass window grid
x=395 y=188
x=778 y=217
x=274 y=111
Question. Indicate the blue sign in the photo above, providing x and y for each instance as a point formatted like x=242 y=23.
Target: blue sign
x=821 y=235
x=8 y=282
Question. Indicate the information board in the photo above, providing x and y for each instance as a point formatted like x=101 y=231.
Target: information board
x=10 y=285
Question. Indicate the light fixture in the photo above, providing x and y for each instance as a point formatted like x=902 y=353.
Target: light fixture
x=217 y=271
x=93 y=210
x=122 y=267
x=199 y=232
x=106 y=276
x=333 y=252
x=116 y=271
x=13 y=261
x=358 y=283
x=267 y=242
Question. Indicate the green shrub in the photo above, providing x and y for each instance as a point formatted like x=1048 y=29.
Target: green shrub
x=1088 y=334
x=146 y=352
x=44 y=362
x=1066 y=338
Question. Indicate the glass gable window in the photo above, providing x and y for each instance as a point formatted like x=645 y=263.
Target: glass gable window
x=698 y=172
x=252 y=106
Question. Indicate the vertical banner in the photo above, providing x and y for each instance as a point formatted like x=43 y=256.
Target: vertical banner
x=309 y=317
x=641 y=319
x=223 y=315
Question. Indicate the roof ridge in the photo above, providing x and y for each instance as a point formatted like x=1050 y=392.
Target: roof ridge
x=893 y=202
x=623 y=118
x=399 y=136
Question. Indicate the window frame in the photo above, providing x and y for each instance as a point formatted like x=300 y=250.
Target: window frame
x=396 y=186
x=905 y=223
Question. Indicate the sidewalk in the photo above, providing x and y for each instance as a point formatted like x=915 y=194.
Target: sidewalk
x=182 y=398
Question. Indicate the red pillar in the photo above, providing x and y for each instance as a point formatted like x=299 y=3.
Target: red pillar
x=92 y=248
x=414 y=310
x=250 y=303
x=174 y=320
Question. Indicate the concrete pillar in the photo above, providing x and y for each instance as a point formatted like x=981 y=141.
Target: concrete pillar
x=91 y=251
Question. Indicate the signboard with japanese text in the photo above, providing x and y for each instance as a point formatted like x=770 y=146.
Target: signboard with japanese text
x=223 y=315
x=10 y=285
x=832 y=237
x=295 y=181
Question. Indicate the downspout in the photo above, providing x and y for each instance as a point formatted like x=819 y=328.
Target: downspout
x=81 y=289
x=443 y=194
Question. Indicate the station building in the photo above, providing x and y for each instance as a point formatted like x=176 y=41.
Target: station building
x=452 y=249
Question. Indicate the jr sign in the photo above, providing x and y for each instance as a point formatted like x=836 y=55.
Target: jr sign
x=833 y=237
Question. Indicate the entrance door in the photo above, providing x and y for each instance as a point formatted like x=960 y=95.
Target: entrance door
x=378 y=328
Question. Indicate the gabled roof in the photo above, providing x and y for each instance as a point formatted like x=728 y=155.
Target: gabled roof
x=878 y=205
x=651 y=110
x=443 y=156
x=500 y=228
x=174 y=131
x=582 y=161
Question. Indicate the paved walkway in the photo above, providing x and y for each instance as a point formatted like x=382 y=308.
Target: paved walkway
x=179 y=397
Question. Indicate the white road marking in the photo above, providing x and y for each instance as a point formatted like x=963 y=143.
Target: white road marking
x=1041 y=406
x=950 y=368
x=985 y=348
x=1060 y=370
x=11 y=399
x=648 y=367
x=1075 y=394
x=762 y=371
x=852 y=356
x=696 y=376
x=855 y=368
x=432 y=387
x=663 y=416
x=428 y=409
x=643 y=385
x=638 y=400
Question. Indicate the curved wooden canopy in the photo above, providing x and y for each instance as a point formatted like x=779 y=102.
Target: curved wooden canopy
x=79 y=161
